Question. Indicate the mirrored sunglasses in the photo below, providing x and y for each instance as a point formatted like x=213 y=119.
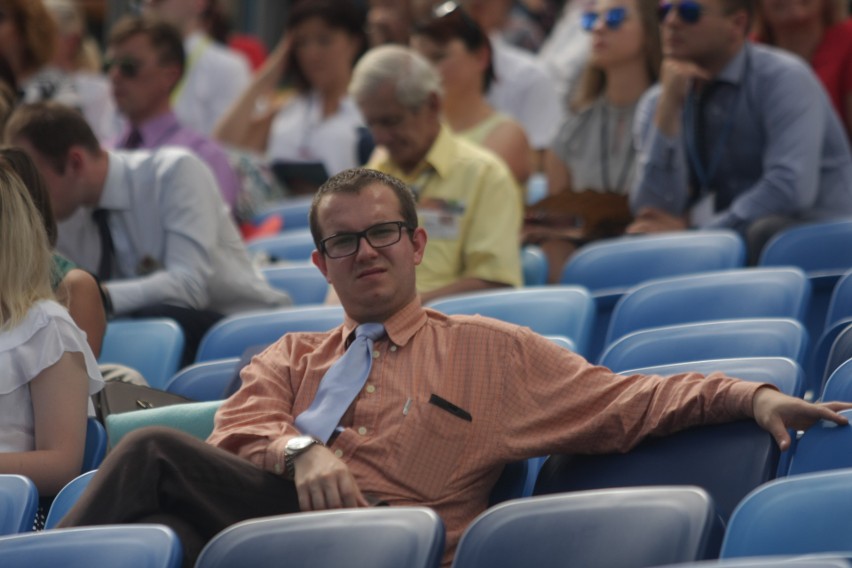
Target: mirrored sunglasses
x=688 y=11
x=613 y=18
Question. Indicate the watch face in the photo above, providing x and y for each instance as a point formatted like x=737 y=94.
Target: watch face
x=299 y=443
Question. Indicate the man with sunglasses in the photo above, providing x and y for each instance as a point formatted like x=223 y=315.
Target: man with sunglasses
x=736 y=135
x=145 y=62
x=444 y=404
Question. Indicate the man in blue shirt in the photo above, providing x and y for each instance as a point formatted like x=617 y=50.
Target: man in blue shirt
x=735 y=135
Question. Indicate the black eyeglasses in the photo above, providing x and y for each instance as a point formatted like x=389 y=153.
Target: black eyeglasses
x=613 y=18
x=128 y=67
x=688 y=11
x=379 y=236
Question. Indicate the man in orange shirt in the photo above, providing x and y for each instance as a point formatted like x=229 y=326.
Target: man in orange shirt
x=446 y=403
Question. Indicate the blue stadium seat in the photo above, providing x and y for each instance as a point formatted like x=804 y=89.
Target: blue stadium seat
x=549 y=310
x=154 y=347
x=378 y=537
x=726 y=460
x=799 y=514
x=718 y=339
x=838 y=318
x=293 y=211
x=296 y=245
x=840 y=352
x=608 y=268
x=534 y=265
x=207 y=380
x=18 y=504
x=96 y=445
x=128 y=546
x=231 y=336
x=66 y=498
x=303 y=282
x=839 y=384
x=729 y=294
x=824 y=446
x=645 y=526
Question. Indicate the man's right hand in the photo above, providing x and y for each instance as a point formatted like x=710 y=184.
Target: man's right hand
x=324 y=482
x=676 y=78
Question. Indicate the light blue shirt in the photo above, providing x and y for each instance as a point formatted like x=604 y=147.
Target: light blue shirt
x=782 y=152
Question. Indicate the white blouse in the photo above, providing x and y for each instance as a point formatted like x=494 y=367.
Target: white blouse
x=299 y=133
x=35 y=344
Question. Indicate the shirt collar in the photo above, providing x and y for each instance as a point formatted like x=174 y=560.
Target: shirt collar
x=439 y=159
x=400 y=327
x=155 y=129
x=733 y=72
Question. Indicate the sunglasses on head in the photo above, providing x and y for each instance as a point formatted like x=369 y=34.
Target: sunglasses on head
x=688 y=11
x=613 y=18
x=127 y=67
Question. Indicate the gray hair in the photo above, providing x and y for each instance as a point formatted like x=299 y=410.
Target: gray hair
x=414 y=77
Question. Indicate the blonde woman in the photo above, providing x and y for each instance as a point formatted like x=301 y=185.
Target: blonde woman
x=49 y=371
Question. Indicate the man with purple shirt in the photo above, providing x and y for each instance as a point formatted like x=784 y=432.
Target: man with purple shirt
x=146 y=61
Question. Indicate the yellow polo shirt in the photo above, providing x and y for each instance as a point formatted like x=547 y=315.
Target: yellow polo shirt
x=471 y=209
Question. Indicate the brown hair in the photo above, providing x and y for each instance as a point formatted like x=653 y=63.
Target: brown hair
x=37 y=29
x=20 y=163
x=164 y=37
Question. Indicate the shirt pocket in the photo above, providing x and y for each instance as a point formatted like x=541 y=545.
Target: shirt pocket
x=425 y=452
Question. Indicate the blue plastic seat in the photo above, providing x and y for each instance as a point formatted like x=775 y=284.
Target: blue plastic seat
x=18 y=504
x=840 y=352
x=203 y=381
x=806 y=561
x=534 y=265
x=128 y=546
x=378 y=537
x=296 y=245
x=154 y=347
x=231 y=336
x=729 y=294
x=293 y=211
x=839 y=383
x=550 y=310
x=608 y=268
x=727 y=460
x=824 y=446
x=66 y=498
x=718 y=339
x=798 y=514
x=303 y=282
x=839 y=317
x=96 y=445
x=645 y=526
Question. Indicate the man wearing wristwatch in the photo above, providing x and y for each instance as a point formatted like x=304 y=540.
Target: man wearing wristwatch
x=447 y=401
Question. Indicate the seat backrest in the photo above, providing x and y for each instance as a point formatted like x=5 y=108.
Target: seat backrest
x=204 y=381
x=840 y=305
x=822 y=447
x=839 y=383
x=816 y=248
x=783 y=372
x=379 y=537
x=809 y=561
x=231 y=336
x=295 y=245
x=66 y=498
x=154 y=347
x=303 y=282
x=534 y=265
x=729 y=294
x=96 y=445
x=798 y=514
x=128 y=546
x=194 y=418
x=293 y=211
x=18 y=504
x=635 y=527
x=840 y=350
x=727 y=460
x=552 y=310
x=720 y=339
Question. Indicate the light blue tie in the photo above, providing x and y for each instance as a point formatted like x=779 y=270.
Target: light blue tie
x=341 y=384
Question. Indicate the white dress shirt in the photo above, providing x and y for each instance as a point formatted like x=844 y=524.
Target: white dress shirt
x=38 y=342
x=215 y=76
x=174 y=239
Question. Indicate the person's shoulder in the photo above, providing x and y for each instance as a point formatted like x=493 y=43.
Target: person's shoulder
x=776 y=63
x=464 y=325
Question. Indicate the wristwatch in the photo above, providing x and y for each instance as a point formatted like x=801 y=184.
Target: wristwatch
x=295 y=447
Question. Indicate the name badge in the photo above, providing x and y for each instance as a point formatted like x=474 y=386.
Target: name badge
x=703 y=211
x=441 y=219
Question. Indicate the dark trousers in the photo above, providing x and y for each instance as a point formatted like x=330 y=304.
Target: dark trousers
x=194 y=324
x=161 y=475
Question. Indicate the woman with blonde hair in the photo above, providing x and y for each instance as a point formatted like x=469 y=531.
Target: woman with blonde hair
x=49 y=372
x=593 y=160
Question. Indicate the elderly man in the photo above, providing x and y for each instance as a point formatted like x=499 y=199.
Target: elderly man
x=443 y=405
x=736 y=135
x=466 y=197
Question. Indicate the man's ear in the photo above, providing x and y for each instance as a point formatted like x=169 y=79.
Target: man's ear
x=418 y=240
x=76 y=161
x=318 y=259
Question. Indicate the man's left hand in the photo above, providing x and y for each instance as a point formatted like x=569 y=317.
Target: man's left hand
x=776 y=413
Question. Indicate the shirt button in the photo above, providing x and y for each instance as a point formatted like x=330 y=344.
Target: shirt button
x=338 y=453
x=371 y=389
x=393 y=348
x=375 y=354
x=362 y=430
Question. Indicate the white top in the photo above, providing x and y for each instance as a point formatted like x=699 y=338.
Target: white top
x=300 y=134
x=525 y=91
x=174 y=238
x=215 y=76
x=38 y=342
x=566 y=50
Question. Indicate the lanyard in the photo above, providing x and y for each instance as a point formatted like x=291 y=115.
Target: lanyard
x=690 y=110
